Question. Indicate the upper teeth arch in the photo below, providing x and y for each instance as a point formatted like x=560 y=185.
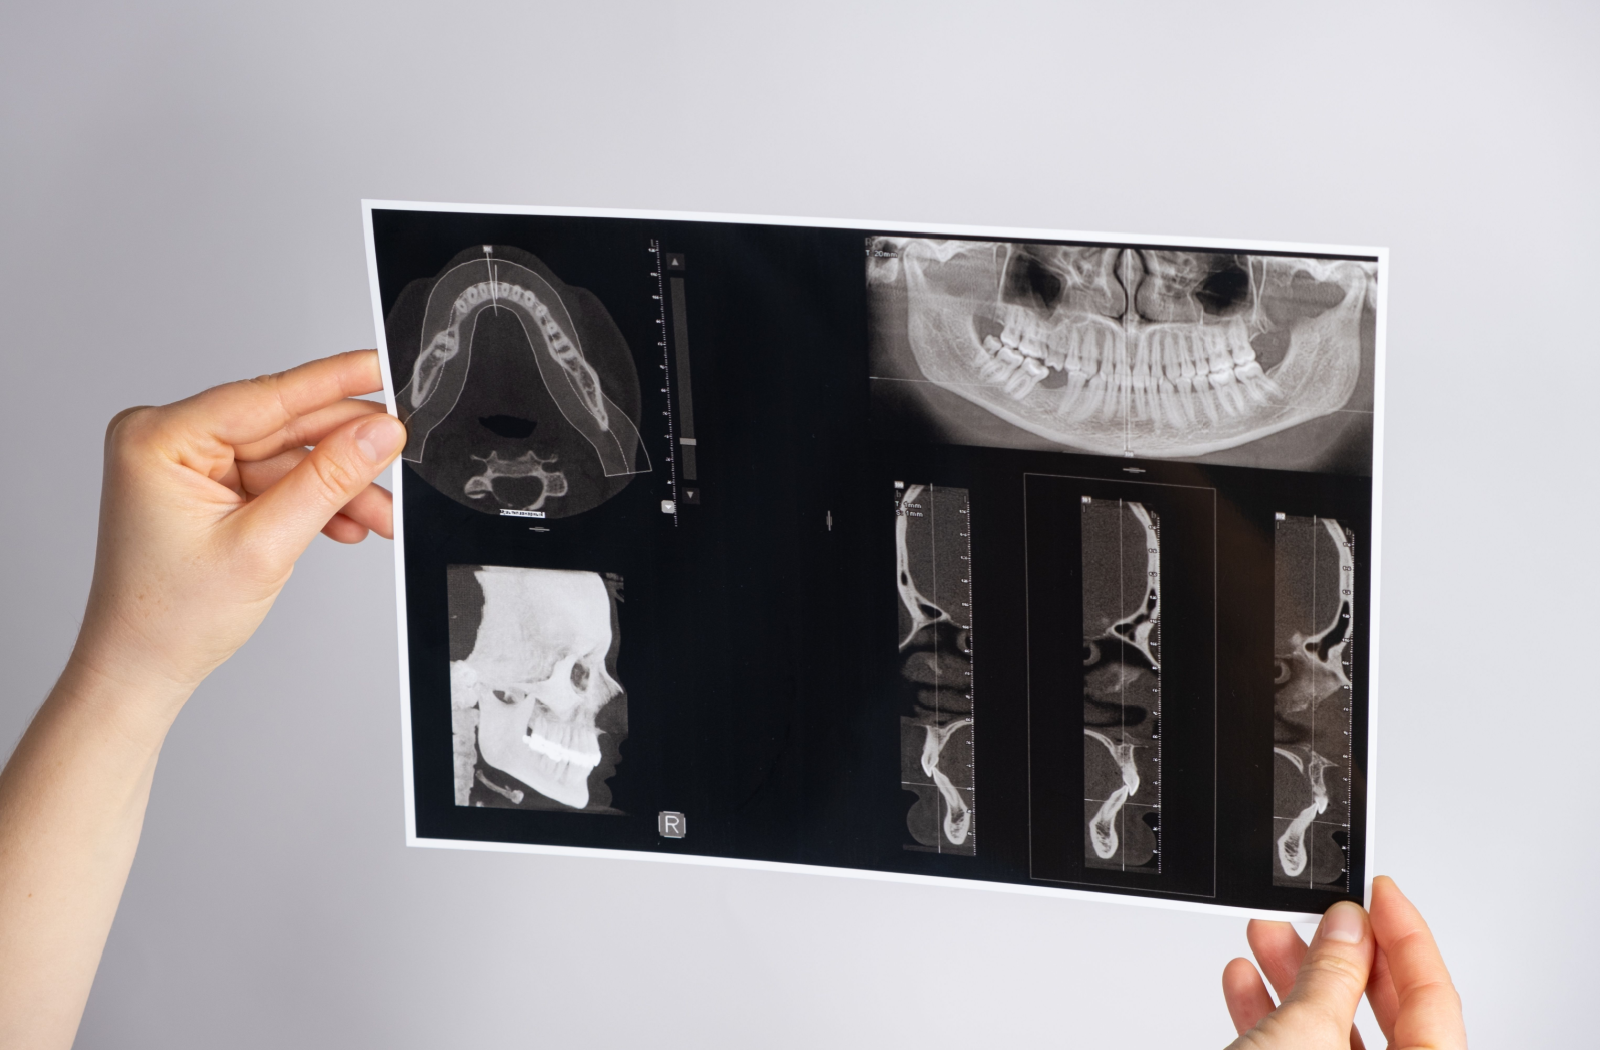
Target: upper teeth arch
x=1121 y=351
x=458 y=298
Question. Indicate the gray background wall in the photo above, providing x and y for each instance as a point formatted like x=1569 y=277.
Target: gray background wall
x=178 y=207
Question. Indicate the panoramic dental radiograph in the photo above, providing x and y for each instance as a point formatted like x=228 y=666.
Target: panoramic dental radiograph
x=1128 y=351
x=1121 y=685
x=933 y=547
x=537 y=712
x=518 y=391
x=1314 y=619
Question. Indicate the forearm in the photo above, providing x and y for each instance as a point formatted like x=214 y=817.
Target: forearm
x=72 y=803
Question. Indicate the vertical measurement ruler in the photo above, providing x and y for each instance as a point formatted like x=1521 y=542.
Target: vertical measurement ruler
x=1155 y=647
x=1347 y=589
x=965 y=571
x=666 y=379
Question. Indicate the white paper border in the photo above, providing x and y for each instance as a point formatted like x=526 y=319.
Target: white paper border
x=939 y=229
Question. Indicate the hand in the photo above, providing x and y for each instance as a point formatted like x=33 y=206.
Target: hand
x=1392 y=957
x=206 y=505
x=208 y=502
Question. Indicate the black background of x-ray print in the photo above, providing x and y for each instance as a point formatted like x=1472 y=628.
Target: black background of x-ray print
x=1242 y=839
x=1217 y=839
x=734 y=701
x=758 y=646
x=1249 y=501
x=1052 y=505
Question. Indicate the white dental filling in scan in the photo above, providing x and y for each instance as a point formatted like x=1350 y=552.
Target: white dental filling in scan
x=644 y=541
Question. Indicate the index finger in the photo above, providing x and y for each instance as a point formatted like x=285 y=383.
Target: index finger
x=1429 y=1010
x=253 y=409
x=1279 y=951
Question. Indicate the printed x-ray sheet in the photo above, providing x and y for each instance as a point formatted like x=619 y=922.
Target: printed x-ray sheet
x=645 y=541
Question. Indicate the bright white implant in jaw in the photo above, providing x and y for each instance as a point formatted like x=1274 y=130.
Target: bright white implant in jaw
x=1130 y=351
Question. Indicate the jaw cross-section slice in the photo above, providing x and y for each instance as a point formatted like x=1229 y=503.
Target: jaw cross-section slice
x=440 y=372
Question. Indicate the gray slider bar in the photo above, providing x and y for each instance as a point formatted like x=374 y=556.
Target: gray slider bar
x=680 y=342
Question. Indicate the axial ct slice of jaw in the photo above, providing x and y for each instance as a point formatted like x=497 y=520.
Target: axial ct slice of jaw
x=439 y=375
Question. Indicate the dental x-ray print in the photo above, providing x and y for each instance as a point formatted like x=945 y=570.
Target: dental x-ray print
x=1128 y=473
x=1252 y=359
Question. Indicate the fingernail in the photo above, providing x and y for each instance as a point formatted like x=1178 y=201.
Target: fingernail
x=1344 y=923
x=378 y=438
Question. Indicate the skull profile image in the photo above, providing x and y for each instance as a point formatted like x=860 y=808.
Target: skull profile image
x=536 y=708
x=1259 y=360
x=518 y=392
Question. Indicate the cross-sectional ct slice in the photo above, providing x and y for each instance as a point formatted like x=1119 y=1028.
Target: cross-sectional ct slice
x=518 y=391
x=1121 y=686
x=1259 y=360
x=537 y=712
x=933 y=576
x=1314 y=621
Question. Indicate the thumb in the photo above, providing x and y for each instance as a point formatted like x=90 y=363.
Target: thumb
x=1333 y=974
x=289 y=514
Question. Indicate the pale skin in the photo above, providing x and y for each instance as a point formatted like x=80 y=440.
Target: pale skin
x=206 y=505
x=1389 y=955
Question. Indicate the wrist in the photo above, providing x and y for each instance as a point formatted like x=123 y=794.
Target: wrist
x=136 y=702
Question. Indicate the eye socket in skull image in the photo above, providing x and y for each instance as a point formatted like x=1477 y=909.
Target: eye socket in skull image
x=519 y=393
x=1121 y=685
x=537 y=712
x=1314 y=621
x=933 y=576
x=1253 y=360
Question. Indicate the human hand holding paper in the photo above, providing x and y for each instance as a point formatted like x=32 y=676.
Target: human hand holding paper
x=1390 y=956
x=205 y=507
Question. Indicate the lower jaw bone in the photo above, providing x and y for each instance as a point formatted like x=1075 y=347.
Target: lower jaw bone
x=1103 y=825
x=957 y=816
x=555 y=759
x=1292 y=853
x=561 y=771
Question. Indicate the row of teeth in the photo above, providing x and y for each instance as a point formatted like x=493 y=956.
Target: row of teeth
x=1179 y=375
x=540 y=744
x=561 y=347
x=485 y=291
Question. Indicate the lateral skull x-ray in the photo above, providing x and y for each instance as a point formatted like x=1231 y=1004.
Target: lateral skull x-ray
x=536 y=709
x=1128 y=351
x=518 y=390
